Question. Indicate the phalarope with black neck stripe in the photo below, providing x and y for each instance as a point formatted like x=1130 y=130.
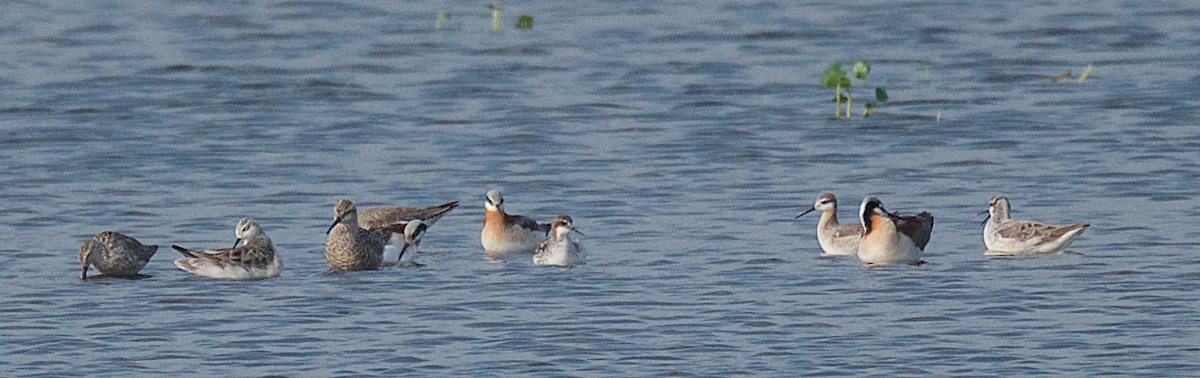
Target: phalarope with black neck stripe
x=889 y=238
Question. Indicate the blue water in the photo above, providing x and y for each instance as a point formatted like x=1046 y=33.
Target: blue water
x=682 y=138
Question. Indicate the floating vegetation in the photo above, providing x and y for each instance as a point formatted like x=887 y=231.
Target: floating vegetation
x=928 y=65
x=1064 y=75
x=442 y=19
x=495 y=7
x=1086 y=71
x=1067 y=75
x=525 y=22
x=834 y=77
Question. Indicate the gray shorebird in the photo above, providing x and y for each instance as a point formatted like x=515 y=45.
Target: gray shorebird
x=889 y=238
x=254 y=259
x=351 y=247
x=559 y=249
x=1006 y=236
x=386 y=219
x=114 y=255
x=504 y=233
x=836 y=239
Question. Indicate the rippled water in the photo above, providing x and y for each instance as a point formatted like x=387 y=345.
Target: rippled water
x=682 y=138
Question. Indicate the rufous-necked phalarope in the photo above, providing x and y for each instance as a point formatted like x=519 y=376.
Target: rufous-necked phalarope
x=254 y=259
x=505 y=233
x=1005 y=236
x=559 y=249
x=114 y=255
x=889 y=238
x=385 y=219
x=836 y=239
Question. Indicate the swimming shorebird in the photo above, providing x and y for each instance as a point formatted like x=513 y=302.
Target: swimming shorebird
x=386 y=219
x=559 y=249
x=1005 y=236
x=836 y=239
x=114 y=255
x=254 y=259
x=410 y=239
x=889 y=238
x=504 y=233
x=351 y=247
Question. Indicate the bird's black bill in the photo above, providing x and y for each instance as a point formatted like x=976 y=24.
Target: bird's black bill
x=335 y=222
x=806 y=212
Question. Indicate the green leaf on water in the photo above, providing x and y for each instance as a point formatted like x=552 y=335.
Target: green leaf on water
x=880 y=94
x=442 y=18
x=925 y=63
x=525 y=22
x=861 y=69
x=834 y=76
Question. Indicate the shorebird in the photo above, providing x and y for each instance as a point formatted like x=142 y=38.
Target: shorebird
x=386 y=219
x=836 y=239
x=410 y=239
x=254 y=259
x=1005 y=236
x=559 y=249
x=889 y=238
x=114 y=255
x=351 y=247
x=504 y=233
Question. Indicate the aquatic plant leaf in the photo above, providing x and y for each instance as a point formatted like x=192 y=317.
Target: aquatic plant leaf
x=525 y=22
x=880 y=94
x=442 y=18
x=861 y=69
x=834 y=75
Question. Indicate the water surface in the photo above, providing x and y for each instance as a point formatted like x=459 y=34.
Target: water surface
x=682 y=138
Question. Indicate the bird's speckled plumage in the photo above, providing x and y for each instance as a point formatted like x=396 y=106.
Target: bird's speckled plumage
x=382 y=217
x=351 y=247
x=1005 y=236
x=254 y=259
x=386 y=219
x=114 y=255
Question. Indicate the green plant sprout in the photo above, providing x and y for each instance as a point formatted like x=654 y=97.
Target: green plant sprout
x=1086 y=71
x=928 y=64
x=495 y=7
x=442 y=18
x=880 y=96
x=861 y=69
x=834 y=77
x=525 y=22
